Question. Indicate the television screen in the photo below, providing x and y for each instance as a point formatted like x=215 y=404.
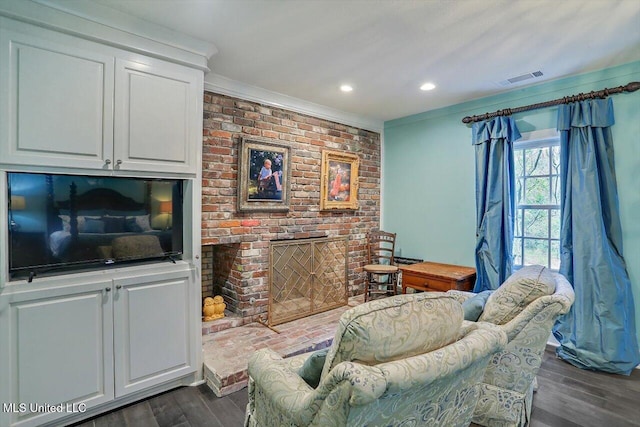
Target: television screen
x=64 y=222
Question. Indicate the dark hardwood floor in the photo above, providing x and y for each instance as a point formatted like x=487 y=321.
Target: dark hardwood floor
x=184 y=407
x=567 y=397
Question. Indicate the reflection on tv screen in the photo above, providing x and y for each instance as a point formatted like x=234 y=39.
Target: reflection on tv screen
x=66 y=222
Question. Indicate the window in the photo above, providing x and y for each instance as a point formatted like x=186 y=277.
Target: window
x=537 y=223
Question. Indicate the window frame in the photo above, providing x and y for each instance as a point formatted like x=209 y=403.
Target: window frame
x=546 y=138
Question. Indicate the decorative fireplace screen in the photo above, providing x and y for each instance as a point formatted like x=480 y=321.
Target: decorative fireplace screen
x=306 y=276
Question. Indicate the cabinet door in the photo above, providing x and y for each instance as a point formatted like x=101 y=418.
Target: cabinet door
x=157 y=122
x=57 y=100
x=153 y=330
x=60 y=350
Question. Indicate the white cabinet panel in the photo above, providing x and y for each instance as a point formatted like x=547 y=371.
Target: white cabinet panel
x=95 y=342
x=59 y=105
x=152 y=330
x=61 y=350
x=156 y=106
x=72 y=103
x=151 y=135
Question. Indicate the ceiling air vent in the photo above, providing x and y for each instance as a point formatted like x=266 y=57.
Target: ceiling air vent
x=518 y=79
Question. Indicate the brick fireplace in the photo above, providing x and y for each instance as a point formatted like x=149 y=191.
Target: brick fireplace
x=236 y=244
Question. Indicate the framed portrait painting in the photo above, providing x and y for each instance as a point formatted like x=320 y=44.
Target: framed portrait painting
x=263 y=176
x=339 y=180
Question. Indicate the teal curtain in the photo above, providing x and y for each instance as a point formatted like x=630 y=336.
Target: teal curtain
x=495 y=200
x=599 y=332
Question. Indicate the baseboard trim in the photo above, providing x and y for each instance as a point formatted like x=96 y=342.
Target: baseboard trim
x=552 y=345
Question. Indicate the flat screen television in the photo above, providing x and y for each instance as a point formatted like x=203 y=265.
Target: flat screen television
x=62 y=222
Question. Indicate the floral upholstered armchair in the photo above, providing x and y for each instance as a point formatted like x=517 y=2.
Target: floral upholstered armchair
x=525 y=306
x=403 y=360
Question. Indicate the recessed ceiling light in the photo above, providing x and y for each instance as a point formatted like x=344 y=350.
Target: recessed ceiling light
x=346 y=88
x=428 y=86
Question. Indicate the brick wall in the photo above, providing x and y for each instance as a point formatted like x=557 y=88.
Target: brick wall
x=240 y=252
x=207 y=272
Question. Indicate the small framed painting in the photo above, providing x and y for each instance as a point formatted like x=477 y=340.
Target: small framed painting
x=263 y=176
x=339 y=180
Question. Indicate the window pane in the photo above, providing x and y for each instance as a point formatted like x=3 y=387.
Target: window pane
x=537 y=161
x=517 y=251
x=518 y=156
x=517 y=226
x=519 y=191
x=555 y=223
x=555 y=255
x=536 y=191
x=555 y=160
x=536 y=223
x=555 y=191
x=536 y=252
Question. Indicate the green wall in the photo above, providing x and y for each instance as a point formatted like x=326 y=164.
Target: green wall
x=428 y=169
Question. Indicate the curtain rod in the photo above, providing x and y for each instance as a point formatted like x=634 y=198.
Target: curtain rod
x=629 y=87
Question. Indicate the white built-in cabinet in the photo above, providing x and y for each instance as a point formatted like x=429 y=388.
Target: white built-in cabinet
x=61 y=349
x=155 y=108
x=75 y=100
x=152 y=330
x=97 y=341
x=74 y=103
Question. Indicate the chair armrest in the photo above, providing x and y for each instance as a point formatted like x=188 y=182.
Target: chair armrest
x=460 y=296
x=292 y=396
x=287 y=393
x=295 y=362
x=480 y=342
x=367 y=382
x=264 y=364
x=551 y=306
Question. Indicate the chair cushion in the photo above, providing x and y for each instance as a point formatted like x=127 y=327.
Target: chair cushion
x=518 y=291
x=380 y=268
x=392 y=328
x=473 y=306
x=312 y=367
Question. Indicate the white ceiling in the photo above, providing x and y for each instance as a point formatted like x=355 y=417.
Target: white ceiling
x=387 y=48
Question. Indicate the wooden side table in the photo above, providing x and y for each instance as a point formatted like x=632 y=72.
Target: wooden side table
x=433 y=276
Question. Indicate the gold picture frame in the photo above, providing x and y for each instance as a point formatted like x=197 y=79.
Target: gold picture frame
x=258 y=159
x=339 y=180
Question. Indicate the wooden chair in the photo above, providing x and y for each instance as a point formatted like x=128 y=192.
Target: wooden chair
x=382 y=273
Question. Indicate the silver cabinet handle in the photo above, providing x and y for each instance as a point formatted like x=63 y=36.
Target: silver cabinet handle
x=107 y=162
x=118 y=286
x=118 y=162
x=108 y=289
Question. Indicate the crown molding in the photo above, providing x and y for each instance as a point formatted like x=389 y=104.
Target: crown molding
x=108 y=26
x=226 y=86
